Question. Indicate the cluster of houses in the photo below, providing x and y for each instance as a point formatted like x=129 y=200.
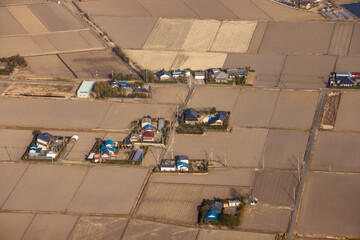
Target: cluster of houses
x=147 y=131
x=344 y=79
x=46 y=146
x=192 y=117
x=128 y=89
x=211 y=75
x=216 y=207
x=181 y=163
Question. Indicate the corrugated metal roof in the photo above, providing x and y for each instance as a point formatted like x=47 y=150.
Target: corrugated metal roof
x=86 y=86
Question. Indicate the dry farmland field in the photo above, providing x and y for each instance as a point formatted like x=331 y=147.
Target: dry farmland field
x=50 y=226
x=295 y=109
x=351 y=64
x=254 y=107
x=348 y=116
x=179 y=202
x=13 y=143
x=41 y=89
x=241 y=148
x=286 y=37
x=336 y=151
x=105 y=228
x=169 y=34
x=87 y=64
x=127 y=32
x=27 y=19
x=275 y=187
x=198 y=60
x=48 y=66
x=265 y=218
x=355 y=41
x=208 y=234
x=210 y=9
x=329 y=205
x=284 y=148
x=225 y=99
x=201 y=35
x=341 y=38
x=245 y=10
x=139 y=229
x=168 y=94
x=268 y=67
x=223 y=177
x=234 y=36
x=174 y=8
x=12 y=26
x=14 y=225
x=43 y=189
x=118 y=199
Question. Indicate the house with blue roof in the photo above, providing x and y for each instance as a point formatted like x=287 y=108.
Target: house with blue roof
x=34 y=150
x=123 y=84
x=109 y=143
x=218 y=119
x=182 y=166
x=163 y=75
x=212 y=215
x=191 y=116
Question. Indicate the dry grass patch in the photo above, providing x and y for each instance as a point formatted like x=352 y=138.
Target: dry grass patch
x=169 y=34
x=105 y=228
x=234 y=36
x=201 y=35
x=41 y=89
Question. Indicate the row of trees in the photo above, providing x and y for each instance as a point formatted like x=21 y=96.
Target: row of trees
x=11 y=63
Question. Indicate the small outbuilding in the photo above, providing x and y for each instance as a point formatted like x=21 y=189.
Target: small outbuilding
x=85 y=89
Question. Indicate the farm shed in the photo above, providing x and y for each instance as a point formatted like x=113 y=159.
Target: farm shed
x=85 y=89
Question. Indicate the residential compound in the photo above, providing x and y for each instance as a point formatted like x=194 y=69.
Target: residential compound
x=344 y=79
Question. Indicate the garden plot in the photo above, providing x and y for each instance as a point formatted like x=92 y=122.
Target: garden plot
x=55 y=17
x=222 y=98
x=10 y=174
x=14 y=143
x=275 y=187
x=9 y=25
x=328 y=195
x=254 y=108
x=169 y=34
x=59 y=113
x=134 y=112
x=234 y=36
x=245 y=10
x=295 y=109
x=179 y=202
x=307 y=71
x=355 y=41
x=23 y=45
x=127 y=32
x=268 y=67
x=139 y=229
x=210 y=9
x=105 y=228
x=284 y=148
x=226 y=177
x=48 y=66
x=201 y=35
x=348 y=116
x=93 y=64
x=96 y=195
x=27 y=19
x=69 y=41
x=14 y=225
x=209 y=234
x=350 y=64
x=336 y=151
x=341 y=38
x=293 y=37
x=46 y=226
x=45 y=188
x=152 y=60
x=168 y=8
x=169 y=94
x=265 y=218
x=198 y=60
x=124 y=8
x=241 y=148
